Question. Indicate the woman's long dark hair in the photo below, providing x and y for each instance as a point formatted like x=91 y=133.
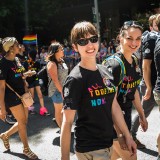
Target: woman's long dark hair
x=33 y=54
x=53 y=49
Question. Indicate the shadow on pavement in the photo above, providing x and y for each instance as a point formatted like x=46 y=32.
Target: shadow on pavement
x=149 y=151
x=36 y=123
x=20 y=155
x=56 y=142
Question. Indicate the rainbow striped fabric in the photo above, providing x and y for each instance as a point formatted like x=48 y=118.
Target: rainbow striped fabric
x=30 y=39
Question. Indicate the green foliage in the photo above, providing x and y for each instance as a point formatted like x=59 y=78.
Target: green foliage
x=142 y=18
x=12 y=16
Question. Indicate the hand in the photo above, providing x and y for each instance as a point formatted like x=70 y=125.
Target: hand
x=122 y=143
x=3 y=114
x=131 y=145
x=147 y=93
x=144 y=124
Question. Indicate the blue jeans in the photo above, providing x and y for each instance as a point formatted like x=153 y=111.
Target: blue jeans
x=57 y=97
x=147 y=106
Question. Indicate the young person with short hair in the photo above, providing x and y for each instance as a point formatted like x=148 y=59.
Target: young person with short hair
x=90 y=93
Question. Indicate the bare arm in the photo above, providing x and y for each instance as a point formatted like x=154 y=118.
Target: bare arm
x=119 y=121
x=146 y=65
x=2 y=103
x=138 y=106
x=68 y=118
x=52 y=70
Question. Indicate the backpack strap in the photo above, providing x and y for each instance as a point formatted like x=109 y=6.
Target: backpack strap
x=135 y=59
x=137 y=67
x=123 y=70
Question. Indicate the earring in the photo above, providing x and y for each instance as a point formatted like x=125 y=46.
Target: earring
x=11 y=52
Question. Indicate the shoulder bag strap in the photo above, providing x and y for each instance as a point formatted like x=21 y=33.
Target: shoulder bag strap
x=13 y=90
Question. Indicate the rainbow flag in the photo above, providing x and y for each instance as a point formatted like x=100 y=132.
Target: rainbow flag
x=30 y=39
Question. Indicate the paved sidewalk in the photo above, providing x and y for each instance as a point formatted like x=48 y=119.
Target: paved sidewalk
x=44 y=138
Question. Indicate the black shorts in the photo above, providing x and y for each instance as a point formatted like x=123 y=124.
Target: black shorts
x=12 y=100
x=34 y=84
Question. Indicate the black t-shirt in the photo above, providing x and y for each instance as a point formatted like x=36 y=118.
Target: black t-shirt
x=127 y=83
x=12 y=74
x=148 y=46
x=130 y=81
x=33 y=66
x=157 y=64
x=22 y=58
x=85 y=92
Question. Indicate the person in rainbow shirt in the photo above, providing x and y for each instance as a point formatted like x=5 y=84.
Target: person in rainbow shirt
x=89 y=91
x=12 y=73
x=125 y=60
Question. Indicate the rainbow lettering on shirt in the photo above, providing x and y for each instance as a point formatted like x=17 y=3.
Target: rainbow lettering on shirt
x=99 y=91
x=127 y=85
x=18 y=71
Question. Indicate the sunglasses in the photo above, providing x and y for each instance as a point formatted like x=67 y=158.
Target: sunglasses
x=131 y=23
x=85 y=41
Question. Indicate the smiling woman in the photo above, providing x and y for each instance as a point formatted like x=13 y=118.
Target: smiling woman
x=11 y=72
x=89 y=91
x=130 y=41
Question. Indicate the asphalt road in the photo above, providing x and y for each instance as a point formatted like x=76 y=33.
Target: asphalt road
x=44 y=138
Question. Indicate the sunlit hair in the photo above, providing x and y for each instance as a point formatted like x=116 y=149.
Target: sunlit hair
x=130 y=24
x=151 y=19
x=158 y=21
x=8 y=42
x=81 y=30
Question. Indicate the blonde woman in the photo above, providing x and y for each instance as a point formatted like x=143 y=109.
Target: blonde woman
x=11 y=72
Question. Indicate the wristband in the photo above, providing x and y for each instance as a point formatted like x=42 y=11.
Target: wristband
x=120 y=135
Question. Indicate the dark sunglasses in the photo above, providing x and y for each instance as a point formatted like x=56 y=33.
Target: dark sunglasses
x=131 y=23
x=85 y=41
x=128 y=24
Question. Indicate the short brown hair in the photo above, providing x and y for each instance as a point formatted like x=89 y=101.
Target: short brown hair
x=151 y=19
x=82 y=29
x=158 y=21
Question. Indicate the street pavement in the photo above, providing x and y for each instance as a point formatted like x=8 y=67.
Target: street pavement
x=44 y=137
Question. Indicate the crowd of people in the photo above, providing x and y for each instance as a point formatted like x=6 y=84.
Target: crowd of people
x=93 y=84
